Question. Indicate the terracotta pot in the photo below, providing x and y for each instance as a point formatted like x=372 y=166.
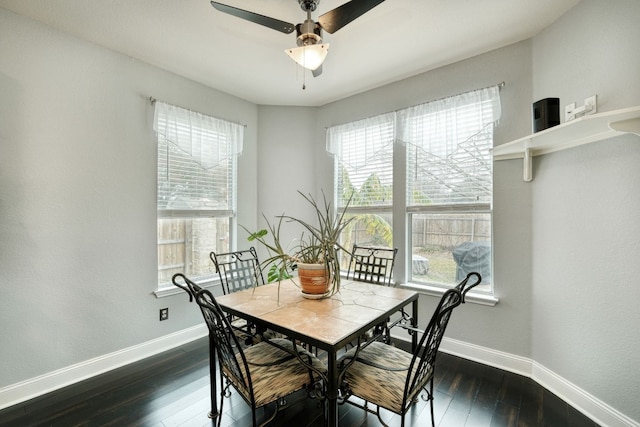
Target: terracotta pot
x=313 y=278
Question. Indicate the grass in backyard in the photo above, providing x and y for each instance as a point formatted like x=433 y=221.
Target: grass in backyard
x=442 y=267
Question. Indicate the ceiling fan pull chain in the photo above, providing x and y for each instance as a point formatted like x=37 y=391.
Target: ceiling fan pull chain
x=304 y=79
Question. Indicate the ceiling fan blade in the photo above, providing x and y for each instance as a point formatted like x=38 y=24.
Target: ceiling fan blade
x=317 y=71
x=275 y=24
x=337 y=18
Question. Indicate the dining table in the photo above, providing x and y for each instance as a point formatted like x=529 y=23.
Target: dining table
x=326 y=323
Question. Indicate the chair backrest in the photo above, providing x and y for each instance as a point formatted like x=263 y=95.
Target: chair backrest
x=231 y=358
x=238 y=270
x=423 y=362
x=464 y=285
x=372 y=264
x=187 y=285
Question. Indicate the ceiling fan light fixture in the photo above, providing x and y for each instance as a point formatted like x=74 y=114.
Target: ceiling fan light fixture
x=311 y=56
x=311 y=52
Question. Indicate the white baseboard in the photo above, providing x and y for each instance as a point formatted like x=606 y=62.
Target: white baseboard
x=34 y=387
x=586 y=403
x=498 y=359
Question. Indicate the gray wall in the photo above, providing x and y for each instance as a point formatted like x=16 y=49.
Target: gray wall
x=509 y=321
x=285 y=163
x=77 y=197
x=584 y=210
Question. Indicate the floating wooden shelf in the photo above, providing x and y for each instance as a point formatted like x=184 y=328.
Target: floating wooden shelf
x=583 y=130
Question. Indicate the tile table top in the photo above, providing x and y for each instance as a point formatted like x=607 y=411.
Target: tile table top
x=331 y=320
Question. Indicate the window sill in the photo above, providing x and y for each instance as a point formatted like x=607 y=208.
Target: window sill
x=169 y=289
x=472 y=297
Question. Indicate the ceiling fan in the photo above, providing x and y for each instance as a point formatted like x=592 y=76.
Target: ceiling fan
x=311 y=51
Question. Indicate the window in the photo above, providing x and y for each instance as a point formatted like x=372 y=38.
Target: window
x=364 y=179
x=445 y=184
x=449 y=171
x=197 y=162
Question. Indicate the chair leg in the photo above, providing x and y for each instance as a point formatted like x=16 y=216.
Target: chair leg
x=382 y=422
x=212 y=378
x=268 y=420
x=219 y=414
x=433 y=420
x=325 y=413
x=224 y=392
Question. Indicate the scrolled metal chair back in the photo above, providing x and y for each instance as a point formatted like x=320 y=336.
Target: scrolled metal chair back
x=465 y=286
x=232 y=360
x=423 y=362
x=238 y=270
x=372 y=264
x=192 y=289
x=187 y=285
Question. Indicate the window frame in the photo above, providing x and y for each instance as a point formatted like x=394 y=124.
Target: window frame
x=377 y=132
x=229 y=212
x=402 y=216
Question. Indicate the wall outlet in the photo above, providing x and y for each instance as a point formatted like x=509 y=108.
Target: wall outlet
x=591 y=104
x=164 y=314
x=589 y=107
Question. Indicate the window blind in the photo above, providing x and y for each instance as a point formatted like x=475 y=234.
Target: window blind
x=449 y=146
x=196 y=160
x=364 y=154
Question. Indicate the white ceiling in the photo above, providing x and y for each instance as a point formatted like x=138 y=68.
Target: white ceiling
x=395 y=40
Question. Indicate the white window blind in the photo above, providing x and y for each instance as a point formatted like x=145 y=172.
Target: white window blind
x=196 y=160
x=449 y=144
x=364 y=160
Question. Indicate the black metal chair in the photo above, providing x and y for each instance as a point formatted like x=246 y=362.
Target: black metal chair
x=238 y=271
x=192 y=290
x=392 y=378
x=264 y=373
x=372 y=264
x=375 y=265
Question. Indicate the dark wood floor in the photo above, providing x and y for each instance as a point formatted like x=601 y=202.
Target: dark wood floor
x=172 y=389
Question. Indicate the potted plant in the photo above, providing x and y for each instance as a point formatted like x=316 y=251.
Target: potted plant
x=317 y=255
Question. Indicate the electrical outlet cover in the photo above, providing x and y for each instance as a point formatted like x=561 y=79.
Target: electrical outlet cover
x=592 y=101
x=568 y=111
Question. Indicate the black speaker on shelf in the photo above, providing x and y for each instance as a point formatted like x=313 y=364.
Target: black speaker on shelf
x=546 y=114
